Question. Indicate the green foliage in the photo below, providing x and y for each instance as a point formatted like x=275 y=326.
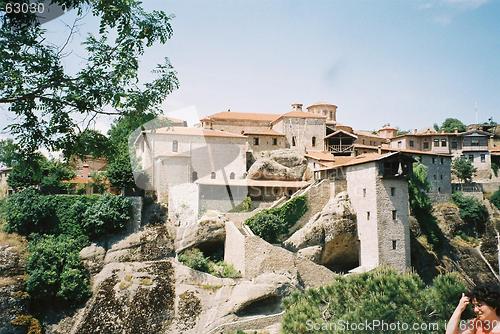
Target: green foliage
x=270 y=224
x=35 y=83
x=418 y=186
x=463 y=169
x=244 y=206
x=495 y=199
x=99 y=182
x=495 y=167
x=89 y=143
x=36 y=170
x=55 y=273
x=222 y=269
x=472 y=211
x=382 y=294
x=109 y=214
x=194 y=259
x=87 y=217
x=452 y=124
x=27 y=212
x=9 y=152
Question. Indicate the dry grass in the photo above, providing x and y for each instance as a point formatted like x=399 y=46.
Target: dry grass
x=16 y=241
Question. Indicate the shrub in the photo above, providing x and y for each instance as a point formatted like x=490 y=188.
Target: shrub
x=30 y=323
x=472 y=211
x=382 y=294
x=270 y=224
x=495 y=199
x=267 y=226
x=27 y=212
x=55 y=272
x=109 y=214
x=244 y=206
x=194 y=259
x=223 y=269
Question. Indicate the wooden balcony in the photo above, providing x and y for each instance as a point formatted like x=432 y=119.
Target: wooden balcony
x=474 y=148
x=340 y=148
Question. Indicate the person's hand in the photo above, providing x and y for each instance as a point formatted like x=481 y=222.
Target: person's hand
x=462 y=304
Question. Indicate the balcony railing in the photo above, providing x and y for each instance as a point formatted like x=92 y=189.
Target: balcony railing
x=340 y=148
x=469 y=148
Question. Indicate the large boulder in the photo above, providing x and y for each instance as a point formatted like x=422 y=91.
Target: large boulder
x=168 y=297
x=330 y=237
x=93 y=258
x=152 y=243
x=208 y=230
x=280 y=165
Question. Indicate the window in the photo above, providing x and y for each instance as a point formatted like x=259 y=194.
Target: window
x=367 y=215
x=426 y=145
x=393 y=191
x=471 y=158
x=175 y=146
x=434 y=177
x=443 y=142
x=483 y=158
x=212 y=175
x=454 y=144
x=194 y=176
x=363 y=141
x=436 y=142
x=293 y=141
x=394 y=244
x=275 y=141
x=439 y=189
x=364 y=192
x=313 y=141
x=400 y=144
x=331 y=114
x=231 y=176
x=474 y=142
x=433 y=160
x=440 y=176
x=256 y=140
x=394 y=214
x=442 y=161
x=412 y=143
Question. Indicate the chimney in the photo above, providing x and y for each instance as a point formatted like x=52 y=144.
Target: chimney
x=379 y=149
x=297 y=107
x=456 y=130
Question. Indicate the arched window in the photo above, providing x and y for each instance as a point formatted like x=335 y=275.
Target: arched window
x=194 y=176
x=231 y=176
x=313 y=141
x=212 y=175
x=175 y=146
x=293 y=141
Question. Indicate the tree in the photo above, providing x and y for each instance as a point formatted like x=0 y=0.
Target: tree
x=9 y=152
x=463 y=169
x=120 y=170
x=452 y=124
x=34 y=83
x=36 y=170
x=418 y=186
x=381 y=295
x=89 y=143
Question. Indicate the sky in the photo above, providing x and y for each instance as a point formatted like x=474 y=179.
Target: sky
x=408 y=63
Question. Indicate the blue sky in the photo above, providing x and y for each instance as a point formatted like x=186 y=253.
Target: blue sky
x=408 y=63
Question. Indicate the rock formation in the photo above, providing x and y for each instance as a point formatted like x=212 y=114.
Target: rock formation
x=330 y=237
x=282 y=165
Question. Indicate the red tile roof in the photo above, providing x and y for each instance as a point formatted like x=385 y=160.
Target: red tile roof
x=241 y=116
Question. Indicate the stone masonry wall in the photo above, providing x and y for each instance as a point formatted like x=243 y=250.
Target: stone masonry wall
x=392 y=230
x=361 y=187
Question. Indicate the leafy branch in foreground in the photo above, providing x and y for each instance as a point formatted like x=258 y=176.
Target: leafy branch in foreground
x=46 y=99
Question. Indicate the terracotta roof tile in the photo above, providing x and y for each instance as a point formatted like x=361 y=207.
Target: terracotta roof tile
x=241 y=116
x=263 y=132
x=185 y=131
